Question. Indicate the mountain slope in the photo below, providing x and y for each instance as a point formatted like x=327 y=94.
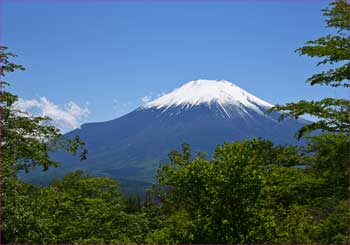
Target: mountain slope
x=203 y=113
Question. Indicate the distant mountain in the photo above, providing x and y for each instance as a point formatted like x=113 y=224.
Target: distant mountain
x=203 y=113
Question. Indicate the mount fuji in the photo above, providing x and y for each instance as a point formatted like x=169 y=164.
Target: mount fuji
x=203 y=113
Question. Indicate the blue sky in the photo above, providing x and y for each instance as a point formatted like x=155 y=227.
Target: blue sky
x=105 y=56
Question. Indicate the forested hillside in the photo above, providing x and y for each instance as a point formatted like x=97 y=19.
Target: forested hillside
x=248 y=192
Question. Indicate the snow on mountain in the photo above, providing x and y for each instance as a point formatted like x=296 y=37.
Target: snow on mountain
x=221 y=92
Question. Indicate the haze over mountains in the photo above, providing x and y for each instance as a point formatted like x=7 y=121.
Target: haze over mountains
x=203 y=113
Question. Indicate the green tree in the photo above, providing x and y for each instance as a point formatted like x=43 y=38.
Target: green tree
x=77 y=209
x=25 y=143
x=327 y=153
x=226 y=197
x=334 y=50
x=254 y=192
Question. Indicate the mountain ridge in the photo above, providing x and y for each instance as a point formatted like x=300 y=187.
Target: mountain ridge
x=133 y=146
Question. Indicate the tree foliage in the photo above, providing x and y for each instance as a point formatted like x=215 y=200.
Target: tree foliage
x=26 y=142
x=334 y=50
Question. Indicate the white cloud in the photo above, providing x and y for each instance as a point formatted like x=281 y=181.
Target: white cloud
x=151 y=96
x=67 y=118
x=145 y=99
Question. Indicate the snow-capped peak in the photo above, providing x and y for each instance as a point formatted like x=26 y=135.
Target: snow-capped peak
x=197 y=92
